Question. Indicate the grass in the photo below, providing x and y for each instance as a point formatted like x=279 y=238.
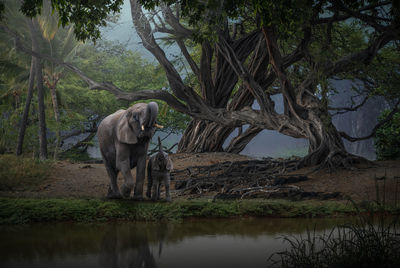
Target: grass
x=373 y=240
x=26 y=210
x=20 y=173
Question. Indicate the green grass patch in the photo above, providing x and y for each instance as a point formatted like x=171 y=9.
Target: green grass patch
x=22 y=173
x=25 y=210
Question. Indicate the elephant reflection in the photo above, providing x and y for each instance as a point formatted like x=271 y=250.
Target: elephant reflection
x=129 y=246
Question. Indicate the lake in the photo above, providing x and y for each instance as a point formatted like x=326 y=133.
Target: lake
x=231 y=243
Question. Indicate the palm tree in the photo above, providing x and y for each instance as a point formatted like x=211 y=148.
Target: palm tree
x=47 y=38
x=62 y=45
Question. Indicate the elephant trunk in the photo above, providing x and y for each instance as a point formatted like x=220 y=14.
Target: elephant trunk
x=159 y=145
x=151 y=114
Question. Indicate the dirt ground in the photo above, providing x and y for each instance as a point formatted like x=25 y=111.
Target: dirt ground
x=364 y=182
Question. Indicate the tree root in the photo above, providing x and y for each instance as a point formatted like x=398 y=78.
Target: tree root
x=332 y=161
x=341 y=159
x=239 y=179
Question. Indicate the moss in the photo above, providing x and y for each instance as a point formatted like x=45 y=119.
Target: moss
x=24 y=210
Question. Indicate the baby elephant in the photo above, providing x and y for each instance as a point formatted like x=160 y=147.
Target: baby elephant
x=158 y=171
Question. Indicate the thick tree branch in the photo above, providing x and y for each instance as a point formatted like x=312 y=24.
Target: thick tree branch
x=225 y=76
x=343 y=17
x=188 y=58
x=145 y=33
x=206 y=81
x=364 y=56
x=172 y=20
x=263 y=100
x=276 y=61
x=370 y=20
x=238 y=143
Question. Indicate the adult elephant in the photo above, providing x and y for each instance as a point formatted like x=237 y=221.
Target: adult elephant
x=124 y=138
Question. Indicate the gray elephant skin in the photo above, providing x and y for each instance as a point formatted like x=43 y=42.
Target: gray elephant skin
x=158 y=172
x=124 y=138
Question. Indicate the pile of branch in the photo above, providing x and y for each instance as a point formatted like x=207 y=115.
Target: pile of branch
x=242 y=179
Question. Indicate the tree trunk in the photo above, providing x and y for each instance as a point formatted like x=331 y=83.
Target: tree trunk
x=41 y=110
x=326 y=147
x=203 y=136
x=238 y=143
x=56 y=117
x=39 y=82
x=25 y=115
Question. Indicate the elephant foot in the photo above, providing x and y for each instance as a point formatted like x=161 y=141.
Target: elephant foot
x=112 y=195
x=126 y=191
x=168 y=199
x=148 y=194
x=137 y=198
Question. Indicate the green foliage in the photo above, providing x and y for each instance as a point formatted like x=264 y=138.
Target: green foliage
x=86 y=16
x=80 y=107
x=387 y=138
x=22 y=173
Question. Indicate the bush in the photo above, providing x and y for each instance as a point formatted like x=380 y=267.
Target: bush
x=387 y=138
x=21 y=173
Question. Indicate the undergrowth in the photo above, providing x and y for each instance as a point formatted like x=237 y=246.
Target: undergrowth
x=373 y=240
x=22 y=173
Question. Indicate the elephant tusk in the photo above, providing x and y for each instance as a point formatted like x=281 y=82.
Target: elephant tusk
x=158 y=126
x=142 y=127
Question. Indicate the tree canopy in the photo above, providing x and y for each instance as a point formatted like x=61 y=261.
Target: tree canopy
x=86 y=16
x=251 y=50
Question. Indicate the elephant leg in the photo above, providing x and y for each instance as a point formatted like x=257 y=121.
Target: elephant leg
x=124 y=165
x=149 y=180
x=166 y=183
x=149 y=186
x=113 y=190
x=140 y=174
x=159 y=189
x=128 y=184
x=156 y=190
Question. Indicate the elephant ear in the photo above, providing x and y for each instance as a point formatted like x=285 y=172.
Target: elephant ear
x=126 y=132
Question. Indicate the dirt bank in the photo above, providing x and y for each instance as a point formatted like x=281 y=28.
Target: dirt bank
x=82 y=180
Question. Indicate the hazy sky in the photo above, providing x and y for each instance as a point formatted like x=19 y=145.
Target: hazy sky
x=125 y=33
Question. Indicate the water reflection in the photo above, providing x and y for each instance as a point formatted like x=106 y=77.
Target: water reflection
x=128 y=246
x=201 y=243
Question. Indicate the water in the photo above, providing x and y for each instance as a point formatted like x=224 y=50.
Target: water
x=201 y=243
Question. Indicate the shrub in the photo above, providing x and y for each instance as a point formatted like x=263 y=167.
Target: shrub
x=369 y=241
x=387 y=138
x=21 y=173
